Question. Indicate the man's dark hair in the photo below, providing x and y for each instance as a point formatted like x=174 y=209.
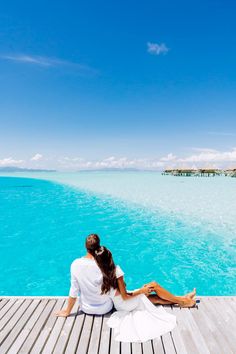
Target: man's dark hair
x=92 y=243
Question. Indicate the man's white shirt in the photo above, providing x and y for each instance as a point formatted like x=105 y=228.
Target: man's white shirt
x=86 y=280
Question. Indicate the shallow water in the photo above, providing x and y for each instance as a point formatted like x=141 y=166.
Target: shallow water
x=43 y=225
x=195 y=200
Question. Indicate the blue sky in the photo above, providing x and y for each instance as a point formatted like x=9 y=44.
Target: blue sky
x=117 y=84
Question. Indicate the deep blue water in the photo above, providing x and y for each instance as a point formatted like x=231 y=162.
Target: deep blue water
x=43 y=226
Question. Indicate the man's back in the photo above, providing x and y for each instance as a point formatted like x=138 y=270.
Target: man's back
x=86 y=279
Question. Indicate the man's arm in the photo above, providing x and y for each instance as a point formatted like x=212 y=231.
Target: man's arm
x=67 y=311
x=74 y=290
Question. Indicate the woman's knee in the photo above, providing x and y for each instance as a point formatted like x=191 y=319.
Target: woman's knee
x=154 y=284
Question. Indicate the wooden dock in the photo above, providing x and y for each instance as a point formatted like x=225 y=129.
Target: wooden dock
x=28 y=325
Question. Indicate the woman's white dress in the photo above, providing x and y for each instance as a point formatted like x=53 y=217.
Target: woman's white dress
x=137 y=319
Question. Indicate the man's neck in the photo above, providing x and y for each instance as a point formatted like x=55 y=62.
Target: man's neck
x=88 y=255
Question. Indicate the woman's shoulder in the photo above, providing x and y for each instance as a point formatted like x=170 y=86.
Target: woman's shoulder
x=119 y=272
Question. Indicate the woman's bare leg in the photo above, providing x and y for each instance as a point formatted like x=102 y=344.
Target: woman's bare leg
x=166 y=295
x=157 y=300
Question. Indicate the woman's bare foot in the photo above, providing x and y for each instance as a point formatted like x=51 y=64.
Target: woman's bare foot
x=188 y=302
x=192 y=294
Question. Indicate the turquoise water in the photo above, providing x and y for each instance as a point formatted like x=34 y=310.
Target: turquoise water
x=43 y=225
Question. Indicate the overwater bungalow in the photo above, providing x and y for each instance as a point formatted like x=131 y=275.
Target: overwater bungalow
x=230 y=172
x=194 y=172
x=180 y=172
x=209 y=172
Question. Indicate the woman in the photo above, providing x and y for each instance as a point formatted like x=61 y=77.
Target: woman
x=137 y=319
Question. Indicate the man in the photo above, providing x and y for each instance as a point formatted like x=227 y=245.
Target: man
x=86 y=280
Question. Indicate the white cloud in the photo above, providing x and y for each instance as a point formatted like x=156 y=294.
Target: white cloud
x=38 y=60
x=112 y=162
x=211 y=156
x=203 y=158
x=157 y=49
x=107 y=163
x=169 y=157
x=9 y=161
x=48 y=62
x=36 y=157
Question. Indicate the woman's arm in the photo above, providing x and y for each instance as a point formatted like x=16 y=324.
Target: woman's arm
x=128 y=296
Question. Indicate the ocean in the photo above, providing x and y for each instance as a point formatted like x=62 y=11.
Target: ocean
x=179 y=231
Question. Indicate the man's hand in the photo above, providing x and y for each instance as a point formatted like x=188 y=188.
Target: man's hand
x=67 y=311
x=62 y=313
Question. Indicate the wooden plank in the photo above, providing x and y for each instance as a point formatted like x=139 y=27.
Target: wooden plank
x=213 y=337
x=7 y=306
x=227 y=311
x=136 y=348
x=85 y=335
x=56 y=330
x=225 y=326
x=125 y=348
x=114 y=345
x=222 y=308
x=47 y=327
x=95 y=336
x=158 y=347
x=232 y=303
x=185 y=332
x=3 y=303
x=66 y=330
x=219 y=312
x=105 y=336
x=9 y=310
x=75 y=334
x=176 y=335
x=28 y=327
x=14 y=319
x=147 y=347
x=216 y=324
x=25 y=312
x=196 y=334
x=168 y=344
x=28 y=344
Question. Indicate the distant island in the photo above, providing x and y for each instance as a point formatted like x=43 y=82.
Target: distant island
x=19 y=169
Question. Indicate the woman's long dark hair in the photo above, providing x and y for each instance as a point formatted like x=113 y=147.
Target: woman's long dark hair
x=104 y=260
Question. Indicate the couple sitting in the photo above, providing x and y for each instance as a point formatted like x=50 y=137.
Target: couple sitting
x=101 y=286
